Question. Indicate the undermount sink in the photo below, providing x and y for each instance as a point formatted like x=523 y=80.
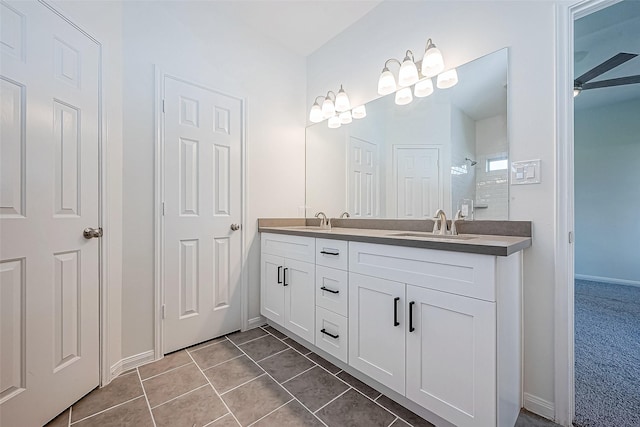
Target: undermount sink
x=432 y=236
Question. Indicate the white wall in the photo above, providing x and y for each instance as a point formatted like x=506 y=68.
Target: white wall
x=103 y=20
x=464 y=31
x=216 y=52
x=607 y=191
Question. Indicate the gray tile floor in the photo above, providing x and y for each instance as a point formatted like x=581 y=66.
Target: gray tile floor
x=253 y=378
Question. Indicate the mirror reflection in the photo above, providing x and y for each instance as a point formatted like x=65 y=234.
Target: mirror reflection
x=448 y=150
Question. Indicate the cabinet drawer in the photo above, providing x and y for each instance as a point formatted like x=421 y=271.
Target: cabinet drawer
x=332 y=253
x=293 y=247
x=332 y=289
x=331 y=333
x=458 y=273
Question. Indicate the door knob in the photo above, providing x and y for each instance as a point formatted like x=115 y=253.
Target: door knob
x=235 y=227
x=92 y=233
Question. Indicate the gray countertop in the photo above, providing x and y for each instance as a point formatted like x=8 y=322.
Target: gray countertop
x=472 y=243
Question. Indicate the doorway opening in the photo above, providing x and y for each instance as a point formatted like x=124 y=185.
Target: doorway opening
x=606 y=199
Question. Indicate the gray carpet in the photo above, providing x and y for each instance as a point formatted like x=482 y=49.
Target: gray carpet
x=607 y=353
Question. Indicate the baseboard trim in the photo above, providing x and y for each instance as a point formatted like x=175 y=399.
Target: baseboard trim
x=539 y=406
x=607 y=280
x=255 y=322
x=131 y=362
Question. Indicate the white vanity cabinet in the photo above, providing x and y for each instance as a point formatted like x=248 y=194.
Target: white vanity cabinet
x=440 y=328
x=451 y=352
x=287 y=291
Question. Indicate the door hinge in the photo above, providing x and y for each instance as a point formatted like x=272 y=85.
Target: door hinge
x=164 y=311
x=571 y=237
x=163 y=105
x=163 y=209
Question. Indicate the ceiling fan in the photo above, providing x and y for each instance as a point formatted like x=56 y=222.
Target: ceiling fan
x=582 y=82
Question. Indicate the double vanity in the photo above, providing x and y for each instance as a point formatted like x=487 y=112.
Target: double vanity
x=433 y=321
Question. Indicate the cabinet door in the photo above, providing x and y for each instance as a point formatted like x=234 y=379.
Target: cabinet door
x=376 y=339
x=451 y=356
x=272 y=288
x=299 y=298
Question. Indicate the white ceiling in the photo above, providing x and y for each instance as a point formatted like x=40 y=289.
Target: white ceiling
x=598 y=37
x=301 y=26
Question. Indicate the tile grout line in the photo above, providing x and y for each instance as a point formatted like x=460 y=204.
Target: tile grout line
x=284 y=388
x=221 y=363
x=102 y=411
x=177 y=397
x=164 y=372
x=144 y=391
x=395 y=419
x=69 y=420
x=217 y=419
x=214 y=389
x=274 y=354
x=297 y=375
x=266 y=334
x=304 y=354
x=266 y=415
x=329 y=402
x=240 y=385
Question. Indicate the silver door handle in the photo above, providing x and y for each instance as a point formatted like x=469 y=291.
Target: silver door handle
x=92 y=233
x=235 y=227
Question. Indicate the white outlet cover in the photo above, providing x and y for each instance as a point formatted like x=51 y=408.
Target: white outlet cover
x=525 y=172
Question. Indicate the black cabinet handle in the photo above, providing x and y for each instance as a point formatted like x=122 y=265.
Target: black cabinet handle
x=279 y=270
x=330 y=253
x=330 y=290
x=411 y=328
x=395 y=311
x=284 y=277
x=330 y=334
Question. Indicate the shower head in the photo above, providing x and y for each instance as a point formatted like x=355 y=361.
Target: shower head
x=473 y=162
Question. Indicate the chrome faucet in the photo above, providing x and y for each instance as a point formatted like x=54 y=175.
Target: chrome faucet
x=325 y=223
x=458 y=217
x=345 y=214
x=440 y=217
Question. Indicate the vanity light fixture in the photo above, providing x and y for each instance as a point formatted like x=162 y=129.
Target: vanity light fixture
x=431 y=65
x=336 y=108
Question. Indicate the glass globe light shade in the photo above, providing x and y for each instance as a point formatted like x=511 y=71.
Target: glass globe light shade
x=328 y=109
x=423 y=88
x=315 y=116
x=359 y=112
x=408 y=72
x=334 y=122
x=342 y=101
x=403 y=96
x=345 y=117
x=386 y=82
x=432 y=63
x=447 y=79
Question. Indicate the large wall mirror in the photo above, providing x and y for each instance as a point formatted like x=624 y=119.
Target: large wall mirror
x=447 y=150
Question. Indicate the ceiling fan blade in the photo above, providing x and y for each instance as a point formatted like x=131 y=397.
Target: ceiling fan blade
x=612 y=82
x=609 y=64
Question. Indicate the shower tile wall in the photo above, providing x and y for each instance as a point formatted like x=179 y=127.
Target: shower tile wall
x=492 y=188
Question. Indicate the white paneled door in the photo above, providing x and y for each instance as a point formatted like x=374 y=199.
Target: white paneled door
x=417 y=182
x=363 y=183
x=49 y=273
x=202 y=214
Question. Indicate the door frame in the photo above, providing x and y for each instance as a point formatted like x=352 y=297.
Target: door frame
x=159 y=225
x=564 y=335
x=394 y=170
x=104 y=222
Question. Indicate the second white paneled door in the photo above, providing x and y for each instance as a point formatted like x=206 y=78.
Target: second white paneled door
x=202 y=214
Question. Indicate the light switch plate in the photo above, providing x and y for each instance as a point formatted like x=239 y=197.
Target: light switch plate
x=525 y=172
